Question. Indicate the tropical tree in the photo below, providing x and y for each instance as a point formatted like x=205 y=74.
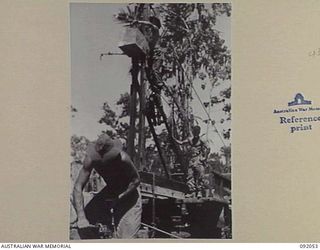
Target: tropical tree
x=117 y=124
x=189 y=51
x=78 y=151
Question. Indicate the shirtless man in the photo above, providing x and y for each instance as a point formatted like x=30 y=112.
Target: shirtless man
x=118 y=171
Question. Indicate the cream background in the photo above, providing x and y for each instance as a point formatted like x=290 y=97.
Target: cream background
x=275 y=174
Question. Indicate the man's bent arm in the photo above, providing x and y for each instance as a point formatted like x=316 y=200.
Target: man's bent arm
x=81 y=181
x=131 y=187
x=135 y=181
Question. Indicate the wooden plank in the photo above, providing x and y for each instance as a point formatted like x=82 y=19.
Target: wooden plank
x=173 y=189
x=142 y=120
x=163 y=182
x=160 y=192
x=207 y=199
x=133 y=107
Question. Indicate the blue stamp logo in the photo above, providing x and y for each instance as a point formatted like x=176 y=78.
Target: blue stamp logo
x=299 y=100
x=297 y=116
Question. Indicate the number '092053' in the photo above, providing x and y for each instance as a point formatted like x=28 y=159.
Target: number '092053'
x=308 y=246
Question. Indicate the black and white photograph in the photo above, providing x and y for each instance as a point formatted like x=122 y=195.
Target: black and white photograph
x=150 y=121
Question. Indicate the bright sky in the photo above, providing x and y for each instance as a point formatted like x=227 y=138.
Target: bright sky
x=94 y=81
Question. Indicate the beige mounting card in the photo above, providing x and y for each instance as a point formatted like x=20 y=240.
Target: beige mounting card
x=275 y=152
